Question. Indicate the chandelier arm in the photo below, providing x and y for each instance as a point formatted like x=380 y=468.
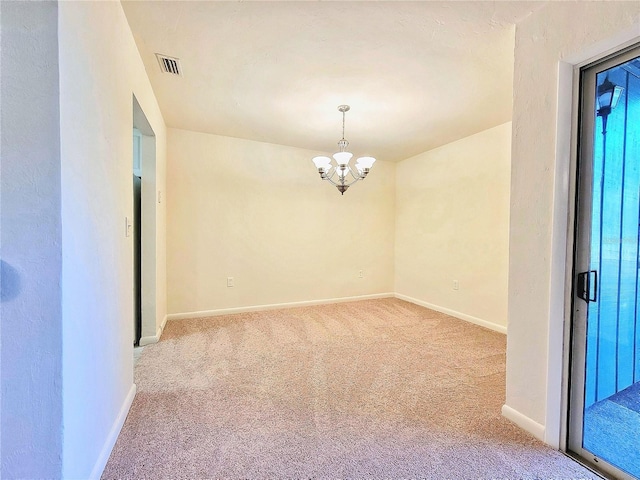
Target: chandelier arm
x=356 y=177
x=329 y=179
x=333 y=174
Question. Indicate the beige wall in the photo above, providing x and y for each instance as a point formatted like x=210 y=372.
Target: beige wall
x=560 y=31
x=100 y=71
x=259 y=212
x=452 y=223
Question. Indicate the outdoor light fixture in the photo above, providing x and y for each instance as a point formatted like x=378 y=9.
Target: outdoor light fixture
x=607 y=94
x=341 y=174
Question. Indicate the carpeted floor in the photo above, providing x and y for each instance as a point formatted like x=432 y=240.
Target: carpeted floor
x=372 y=389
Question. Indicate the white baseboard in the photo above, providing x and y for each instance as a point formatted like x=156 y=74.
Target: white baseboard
x=110 y=441
x=453 y=313
x=524 y=422
x=275 y=306
x=154 y=338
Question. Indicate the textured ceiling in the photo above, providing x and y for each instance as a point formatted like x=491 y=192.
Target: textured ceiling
x=416 y=74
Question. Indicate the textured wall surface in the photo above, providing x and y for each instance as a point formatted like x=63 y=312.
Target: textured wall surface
x=100 y=72
x=555 y=32
x=259 y=212
x=31 y=327
x=452 y=223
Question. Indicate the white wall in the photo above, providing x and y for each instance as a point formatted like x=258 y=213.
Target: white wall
x=100 y=71
x=149 y=195
x=31 y=326
x=260 y=213
x=452 y=223
x=559 y=31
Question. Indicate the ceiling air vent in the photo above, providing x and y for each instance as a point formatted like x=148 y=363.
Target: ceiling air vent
x=169 y=64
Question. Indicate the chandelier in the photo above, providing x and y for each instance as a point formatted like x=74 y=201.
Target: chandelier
x=341 y=174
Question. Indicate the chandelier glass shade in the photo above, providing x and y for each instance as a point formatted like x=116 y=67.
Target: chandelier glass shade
x=338 y=172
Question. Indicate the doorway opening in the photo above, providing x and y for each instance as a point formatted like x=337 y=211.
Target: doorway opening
x=145 y=198
x=604 y=411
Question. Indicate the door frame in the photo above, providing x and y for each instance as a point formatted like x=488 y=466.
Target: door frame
x=561 y=282
x=581 y=256
x=149 y=221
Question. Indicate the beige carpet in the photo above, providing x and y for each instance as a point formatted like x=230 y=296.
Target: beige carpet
x=371 y=389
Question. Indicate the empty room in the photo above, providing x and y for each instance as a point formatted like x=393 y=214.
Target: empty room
x=306 y=239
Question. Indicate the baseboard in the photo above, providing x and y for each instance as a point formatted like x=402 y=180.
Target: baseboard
x=154 y=338
x=149 y=340
x=98 y=467
x=274 y=306
x=462 y=316
x=524 y=422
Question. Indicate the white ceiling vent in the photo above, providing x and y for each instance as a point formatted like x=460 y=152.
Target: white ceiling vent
x=169 y=64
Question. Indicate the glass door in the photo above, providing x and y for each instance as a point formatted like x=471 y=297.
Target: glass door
x=604 y=417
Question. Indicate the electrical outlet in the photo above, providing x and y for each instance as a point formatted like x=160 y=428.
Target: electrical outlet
x=360 y=274
x=229 y=281
x=456 y=285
